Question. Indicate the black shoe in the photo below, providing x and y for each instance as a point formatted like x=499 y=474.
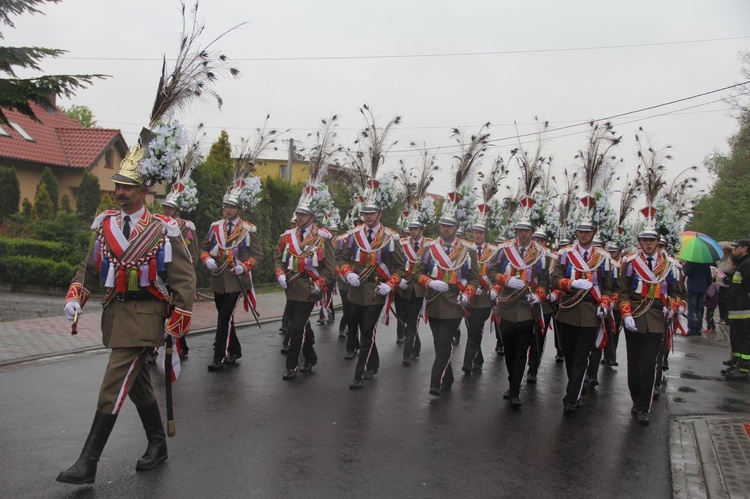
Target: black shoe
x=330 y=319
x=156 y=452
x=356 y=384
x=289 y=374
x=307 y=367
x=657 y=394
x=476 y=367
x=183 y=356
x=531 y=377
x=216 y=366
x=230 y=359
x=506 y=395
x=84 y=469
x=284 y=349
x=593 y=383
x=320 y=321
x=614 y=363
x=559 y=358
x=634 y=409
x=579 y=403
x=732 y=361
x=282 y=329
x=434 y=390
x=500 y=348
x=737 y=375
x=569 y=410
x=342 y=334
x=349 y=355
x=515 y=402
x=604 y=362
x=369 y=374
x=414 y=356
x=665 y=367
x=466 y=370
x=406 y=362
x=643 y=418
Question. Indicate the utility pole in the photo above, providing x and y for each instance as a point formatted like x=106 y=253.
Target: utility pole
x=287 y=173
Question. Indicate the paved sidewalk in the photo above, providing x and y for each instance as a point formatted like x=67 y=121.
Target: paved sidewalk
x=32 y=339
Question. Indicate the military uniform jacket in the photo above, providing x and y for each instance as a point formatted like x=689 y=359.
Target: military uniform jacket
x=458 y=269
x=142 y=276
x=306 y=263
x=644 y=293
x=486 y=255
x=379 y=261
x=242 y=246
x=187 y=229
x=577 y=307
x=411 y=258
x=532 y=268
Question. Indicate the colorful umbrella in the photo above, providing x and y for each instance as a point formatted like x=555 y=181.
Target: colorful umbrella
x=699 y=248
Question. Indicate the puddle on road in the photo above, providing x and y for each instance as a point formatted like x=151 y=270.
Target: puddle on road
x=692 y=375
x=734 y=405
x=686 y=389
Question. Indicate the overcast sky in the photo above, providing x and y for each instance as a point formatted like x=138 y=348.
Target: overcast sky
x=538 y=73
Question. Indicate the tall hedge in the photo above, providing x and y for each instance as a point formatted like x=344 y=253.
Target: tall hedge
x=53 y=190
x=89 y=196
x=35 y=270
x=10 y=192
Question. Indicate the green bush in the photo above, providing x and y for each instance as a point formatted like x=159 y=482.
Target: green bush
x=34 y=270
x=47 y=250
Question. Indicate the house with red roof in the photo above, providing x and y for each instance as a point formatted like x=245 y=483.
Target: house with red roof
x=62 y=144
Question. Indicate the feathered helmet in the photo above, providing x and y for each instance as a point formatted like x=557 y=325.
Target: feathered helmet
x=315 y=198
x=422 y=214
x=155 y=158
x=459 y=202
x=482 y=215
x=648 y=226
x=184 y=195
x=586 y=221
x=524 y=218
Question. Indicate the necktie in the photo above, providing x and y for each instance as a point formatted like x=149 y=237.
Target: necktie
x=650 y=263
x=447 y=249
x=230 y=226
x=585 y=256
x=301 y=234
x=126 y=226
x=479 y=251
x=522 y=251
x=369 y=235
x=416 y=246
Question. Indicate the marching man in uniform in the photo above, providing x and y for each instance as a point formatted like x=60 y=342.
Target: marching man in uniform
x=147 y=271
x=521 y=277
x=231 y=250
x=649 y=298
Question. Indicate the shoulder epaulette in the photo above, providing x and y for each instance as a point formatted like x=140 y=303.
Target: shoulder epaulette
x=189 y=224
x=101 y=216
x=325 y=233
x=249 y=227
x=169 y=224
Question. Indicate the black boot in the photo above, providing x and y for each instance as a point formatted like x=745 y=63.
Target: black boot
x=156 y=452
x=84 y=470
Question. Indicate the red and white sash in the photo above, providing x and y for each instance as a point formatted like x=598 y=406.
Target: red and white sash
x=116 y=240
x=361 y=239
x=441 y=258
x=645 y=273
x=582 y=265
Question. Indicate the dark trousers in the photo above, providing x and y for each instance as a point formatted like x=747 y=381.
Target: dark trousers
x=475 y=329
x=709 y=315
x=412 y=344
x=739 y=337
x=595 y=358
x=301 y=335
x=577 y=343
x=226 y=342
x=517 y=337
x=610 y=351
x=498 y=336
x=344 y=309
x=365 y=319
x=400 y=304
x=443 y=331
x=695 y=312
x=643 y=355
x=537 y=344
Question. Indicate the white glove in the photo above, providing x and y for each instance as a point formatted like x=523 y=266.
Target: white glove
x=581 y=284
x=438 y=286
x=239 y=269
x=682 y=311
x=463 y=299
x=601 y=311
x=210 y=264
x=479 y=292
x=629 y=324
x=403 y=284
x=353 y=279
x=533 y=299
x=552 y=297
x=70 y=310
x=493 y=295
x=668 y=312
x=282 y=281
x=316 y=290
x=383 y=289
x=514 y=283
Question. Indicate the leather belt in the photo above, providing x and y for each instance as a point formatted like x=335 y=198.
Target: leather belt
x=135 y=296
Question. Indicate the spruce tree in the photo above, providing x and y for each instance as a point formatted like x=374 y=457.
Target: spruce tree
x=48 y=180
x=43 y=208
x=10 y=192
x=88 y=197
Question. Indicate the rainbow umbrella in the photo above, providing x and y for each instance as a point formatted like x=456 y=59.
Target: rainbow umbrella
x=699 y=248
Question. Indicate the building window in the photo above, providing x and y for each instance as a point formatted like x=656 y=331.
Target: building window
x=4 y=132
x=21 y=131
x=108 y=159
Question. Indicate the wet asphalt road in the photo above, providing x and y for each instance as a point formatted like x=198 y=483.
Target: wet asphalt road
x=244 y=432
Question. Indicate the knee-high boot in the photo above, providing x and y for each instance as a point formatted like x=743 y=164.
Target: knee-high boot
x=84 y=470
x=156 y=452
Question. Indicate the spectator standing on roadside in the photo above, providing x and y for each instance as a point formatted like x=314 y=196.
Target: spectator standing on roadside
x=726 y=265
x=698 y=279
